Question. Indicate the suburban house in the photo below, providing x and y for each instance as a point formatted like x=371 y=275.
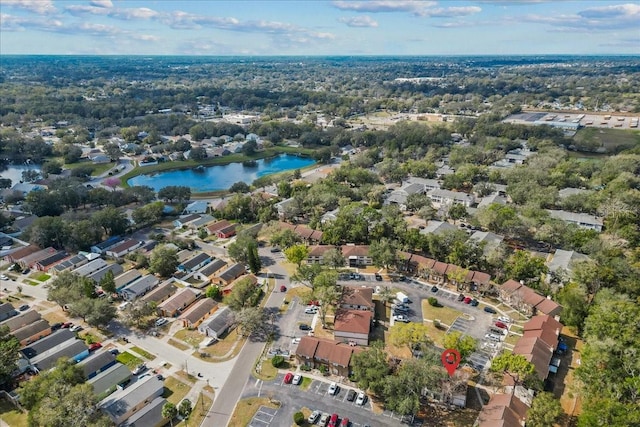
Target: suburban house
x=150 y=415
x=90 y=268
x=307 y=234
x=503 y=410
x=198 y=312
x=210 y=270
x=32 y=332
x=139 y=287
x=229 y=274
x=438 y=227
x=97 y=276
x=197 y=207
x=440 y=197
x=46 y=263
x=527 y=300
x=6 y=311
x=221 y=229
x=73 y=349
x=357 y=299
x=23 y=319
x=126 y=402
x=196 y=262
x=490 y=240
x=161 y=293
x=561 y=263
x=200 y=222
x=250 y=277
x=352 y=326
x=99 y=362
x=536 y=351
x=30 y=260
x=126 y=278
x=110 y=378
x=173 y=306
x=491 y=199
x=185 y=219
x=218 y=324
x=334 y=356
x=102 y=247
x=69 y=264
x=582 y=220
x=47 y=343
x=21 y=253
x=123 y=248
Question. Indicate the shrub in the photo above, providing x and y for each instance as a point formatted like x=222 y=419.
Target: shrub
x=277 y=361
x=298 y=418
x=433 y=302
x=305 y=368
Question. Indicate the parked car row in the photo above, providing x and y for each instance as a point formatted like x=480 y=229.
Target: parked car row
x=331 y=420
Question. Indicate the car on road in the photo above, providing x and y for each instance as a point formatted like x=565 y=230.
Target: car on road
x=475 y=302
x=400 y=318
x=24 y=307
x=345 y=422
x=500 y=325
x=283 y=288
x=95 y=346
x=461 y=297
x=313 y=417
x=351 y=395
x=434 y=289
x=304 y=327
x=161 y=321
x=324 y=419
x=361 y=398
x=490 y=310
x=504 y=319
x=297 y=379
x=333 y=421
x=288 y=378
x=4 y=277
x=333 y=389
x=467 y=300
x=139 y=369
x=492 y=337
x=378 y=277
x=76 y=328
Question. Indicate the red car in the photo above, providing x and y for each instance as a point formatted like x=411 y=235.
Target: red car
x=345 y=422
x=95 y=346
x=67 y=325
x=333 y=421
x=288 y=378
x=501 y=325
x=283 y=288
x=467 y=300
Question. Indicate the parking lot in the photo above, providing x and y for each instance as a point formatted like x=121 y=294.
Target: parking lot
x=264 y=417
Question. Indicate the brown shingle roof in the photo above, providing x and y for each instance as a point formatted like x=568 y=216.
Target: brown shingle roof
x=504 y=410
x=319 y=250
x=357 y=296
x=549 y=306
x=160 y=293
x=536 y=351
x=511 y=286
x=217 y=226
x=481 y=278
x=178 y=301
x=355 y=250
x=199 y=310
x=307 y=347
x=23 y=252
x=440 y=267
x=354 y=321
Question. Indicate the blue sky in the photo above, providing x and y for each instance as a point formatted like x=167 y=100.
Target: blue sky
x=322 y=27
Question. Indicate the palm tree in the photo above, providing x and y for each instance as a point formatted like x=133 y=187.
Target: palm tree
x=169 y=411
x=386 y=295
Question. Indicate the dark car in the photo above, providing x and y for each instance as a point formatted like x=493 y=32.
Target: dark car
x=475 y=302
x=378 y=277
x=351 y=395
x=402 y=278
x=304 y=327
x=24 y=307
x=275 y=249
x=490 y=310
x=56 y=326
x=461 y=297
x=283 y=288
x=434 y=289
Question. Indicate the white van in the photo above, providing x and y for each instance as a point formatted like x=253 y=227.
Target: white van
x=124 y=305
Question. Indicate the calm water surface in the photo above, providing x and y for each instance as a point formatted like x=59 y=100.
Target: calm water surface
x=221 y=177
x=14 y=172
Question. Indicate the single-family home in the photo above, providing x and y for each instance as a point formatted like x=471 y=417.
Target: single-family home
x=250 y=278
x=195 y=263
x=357 y=299
x=218 y=324
x=6 y=311
x=209 y=270
x=161 y=293
x=123 y=248
x=149 y=416
x=90 y=268
x=102 y=247
x=185 y=219
x=126 y=278
x=97 y=363
x=229 y=274
x=200 y=222
x=197 y=207
x=582 y=220
x=139 y=287
x=21 y=253
x=335 y=356
x=561 y=263
x=352 y=326
x=198 y=312
x=47 y=343
x=182 y=299
x=30 y=260
x=438 y=227
x=68 y=264
x=23 y=319
x=126 y=402
x=221 y=229
x=46 y=263
x=73 y=349
x=109 y=378
x=489 y=240
x=32 y=332
x=97 y=276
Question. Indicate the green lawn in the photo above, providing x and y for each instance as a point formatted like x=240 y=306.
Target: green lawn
x=143 y=353
x=10 y=415
x=613 y=140
x=446 y=315
x=175 y=390
x=128 y=359
x=97 y=169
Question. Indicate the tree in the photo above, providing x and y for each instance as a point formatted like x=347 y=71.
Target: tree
x=255 y=265
x=240 y=187
x=328 y=297
x=102 y=312
x=240 y=248
x=112 y=183
x=113 y=151
x=251 y=320
x=163 y=261
x=298 y=418
x=174 y=192
x=68 y=406
x=514 y=365
x=370 y=368
x=148 y=214
x=49 y=231
x=306 y=274
x=52 y=167
x=107 y=283
x=138 y=313
x=41 y=203
x=333 y=258
x=383 y=252
x=244 y=294
x=213 y=292
x=5 y=183
x=522 y=265
x=296 y=254
x=185 y=408
x=464 y=344
x=457 y=211
x=112 y=221
x=198 y=153
x=9 y=346
x=284 y=238
x=545 y=411
x=169 y=411
x=409 y=334
x=30 y=175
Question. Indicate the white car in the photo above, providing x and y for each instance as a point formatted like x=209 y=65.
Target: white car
x=76 y=328
x=492 y=337
x=504 y=319
x=333 y=389
x=400 y=318
x=161 y=321
x=4 y=277
x=311 y=310
x=295 y=341
x=314 y=417
x=361 y=399
x=297 y=378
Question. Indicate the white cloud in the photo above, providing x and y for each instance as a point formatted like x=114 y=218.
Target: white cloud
x=359 y=21
x=40 y=7
x=102 y=3
x=146 y=37
x=450 y=12
x=621 y=11
x=379 y=6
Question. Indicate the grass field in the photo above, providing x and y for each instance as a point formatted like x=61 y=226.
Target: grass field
x=178 y=344
x=175 y=390
x=246 y=409
x=143 y=353
x=222 y=347
x=128 y=359
x=446 y=315
x=612 y=140
x=96 y=169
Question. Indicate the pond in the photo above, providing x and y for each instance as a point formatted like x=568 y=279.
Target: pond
x=14 y=172
x=221 y=177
